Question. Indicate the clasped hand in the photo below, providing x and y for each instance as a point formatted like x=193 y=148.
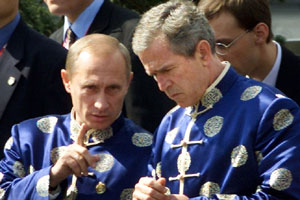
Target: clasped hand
x=75 y=160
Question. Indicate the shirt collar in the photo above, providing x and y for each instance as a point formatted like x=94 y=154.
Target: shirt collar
x=7 y=30
x=82 y=24
x=273 y=74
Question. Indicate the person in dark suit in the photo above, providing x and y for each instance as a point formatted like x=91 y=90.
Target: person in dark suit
x=30 y=65
x=244 y=38
x=144 y=103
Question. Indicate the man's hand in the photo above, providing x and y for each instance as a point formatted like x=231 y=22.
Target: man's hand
x=151 y=189
x=148 y=188
x=75 y=160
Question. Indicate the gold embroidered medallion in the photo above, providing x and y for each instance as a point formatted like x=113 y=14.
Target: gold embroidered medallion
x=259 y=157
x=183 y=162
x=213 y=126
x=18 y=169
x=171 y=135
x=142 y=139
x=158 y=170
x=211 y=97
x=209 y=189
x=282 y=119
x=42 y=186
x=281 y=179
x=251 y=93
x=47 y=124
x=2 y=193
x=239 y=156
x=9 y=143
x=126 y=194
x=105 y=163
x=56 y=153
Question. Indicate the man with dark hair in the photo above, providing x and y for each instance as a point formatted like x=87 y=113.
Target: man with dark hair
x=230 y=137
x=244 y=38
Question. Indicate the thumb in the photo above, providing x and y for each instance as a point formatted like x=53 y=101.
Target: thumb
x=162 y=181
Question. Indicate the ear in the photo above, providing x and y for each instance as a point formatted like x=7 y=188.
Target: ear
x=203 y=51
x=261 y=32
x=66 y=80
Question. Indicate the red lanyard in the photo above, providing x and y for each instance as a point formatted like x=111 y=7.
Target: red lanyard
x=1 y=51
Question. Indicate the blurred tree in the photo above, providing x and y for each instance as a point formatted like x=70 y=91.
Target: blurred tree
x=36 y=14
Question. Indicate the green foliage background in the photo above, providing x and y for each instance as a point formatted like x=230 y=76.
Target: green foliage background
x=36 y=14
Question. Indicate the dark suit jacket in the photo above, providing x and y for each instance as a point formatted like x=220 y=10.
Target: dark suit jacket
x=34 y=62
x=288 y=80
x=144 y=103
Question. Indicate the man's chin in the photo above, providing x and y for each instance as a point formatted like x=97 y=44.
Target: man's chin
x=98 y=125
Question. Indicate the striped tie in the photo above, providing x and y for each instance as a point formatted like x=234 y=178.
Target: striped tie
x=70 y=38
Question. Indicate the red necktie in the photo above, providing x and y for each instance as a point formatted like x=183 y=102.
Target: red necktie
x=70 y=38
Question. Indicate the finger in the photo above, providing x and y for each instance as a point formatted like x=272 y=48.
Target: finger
x=82 y=163
x=162 y=181
x=74 y=166
x=82 y=132
x=151 y=188
x=91 y=160
x=155 y=184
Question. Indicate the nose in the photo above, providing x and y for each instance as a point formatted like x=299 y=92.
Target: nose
x=162 y=82
x=101 y=103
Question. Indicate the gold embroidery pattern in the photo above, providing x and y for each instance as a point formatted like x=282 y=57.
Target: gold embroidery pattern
x=100 y=188
x=158 y=170
x=100 y=135
x=1 y=176
x=171 y=135
x=282 y=119
x=47 y=124
x=211 y=97
x=126 y=194
x=42 y=186
x=213 y=126
x=239 y=156
x=9 y=143
x=251 y=93
x=2 y=193
x=18 y=169
x=258 y=189
x=281 y=179
x=31 y=169
x=184 y=159
x=259 y=157
x=56 y=153
x=105 y=163
x=209 y=189
x=142 y=139
x=226 y=196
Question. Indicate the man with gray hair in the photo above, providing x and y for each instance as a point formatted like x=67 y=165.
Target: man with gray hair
x=229 y=137
x=93 y=152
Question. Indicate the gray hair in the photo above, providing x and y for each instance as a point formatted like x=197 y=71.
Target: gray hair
x=180 y=21
x=96 y=44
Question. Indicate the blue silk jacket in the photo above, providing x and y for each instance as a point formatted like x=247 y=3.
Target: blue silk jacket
x=242 y=141
x=36 y=144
